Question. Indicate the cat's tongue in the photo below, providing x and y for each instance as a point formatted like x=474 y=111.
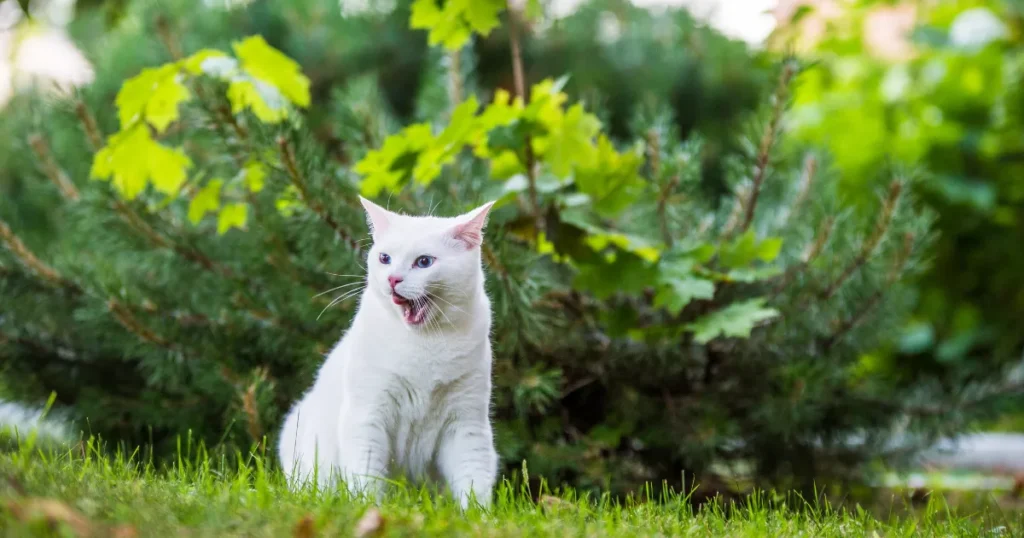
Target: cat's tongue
x=413 y=311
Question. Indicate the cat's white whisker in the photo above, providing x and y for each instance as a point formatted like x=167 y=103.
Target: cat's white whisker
x=337 y=288
x=438 y=297
x=336 y=274
x=339 y=299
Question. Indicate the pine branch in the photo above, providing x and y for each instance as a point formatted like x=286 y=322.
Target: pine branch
x=876 y=298
x=654 y=161
x=163 y=30
x=37 y=347
x=89 y=127
x=810 y=254
x=49 y=274
x=127 y=319
x=519 y=80
x=768 y=142
x=50 y=168
x=291 y=166
x=455 y=77
x=806 y=179
x=662 y=210
x=872 y=242
x=736 y=212
x=30 y=260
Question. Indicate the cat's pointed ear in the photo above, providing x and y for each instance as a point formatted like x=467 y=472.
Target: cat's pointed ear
x=377 y=217
x=470 y=229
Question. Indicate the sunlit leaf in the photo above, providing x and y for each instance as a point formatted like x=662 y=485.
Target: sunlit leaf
x=287 y=204
x=153 y=95
x=255 y=173
x=132 y=159
x=453 y=22
x=269 y=65
x=207 y=200
x=232 y=216
x=266 y=104
x=390 y=166
x=610 y=179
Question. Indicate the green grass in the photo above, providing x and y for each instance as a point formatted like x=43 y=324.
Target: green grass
x=87 y=490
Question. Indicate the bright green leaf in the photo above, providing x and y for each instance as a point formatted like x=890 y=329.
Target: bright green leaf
x=246 y=94
x=287 y=204
x=255 y=173
x=769 y=248
x=207 y=200
x=232 y=216
x=610 y=179
x=736 y=320
x=167 y=167
x=390 y=166
x=269 y=65
x=153 y=95
x=569 y=140
x=452 y=23
x=482 y=15
x=131 y=159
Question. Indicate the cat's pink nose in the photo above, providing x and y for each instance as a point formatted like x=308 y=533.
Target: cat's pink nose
x=394 y=281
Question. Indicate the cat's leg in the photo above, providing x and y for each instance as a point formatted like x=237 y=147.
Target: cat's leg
x=287 y=445
x=467 y=460
x=363 y=451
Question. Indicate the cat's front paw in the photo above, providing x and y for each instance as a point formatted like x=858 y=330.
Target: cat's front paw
x=473 y=495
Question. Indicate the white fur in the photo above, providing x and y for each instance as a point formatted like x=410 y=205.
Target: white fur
x=394 y=398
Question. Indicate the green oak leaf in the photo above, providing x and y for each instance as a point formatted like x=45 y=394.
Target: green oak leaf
x=735 y=320
x=271 y=66
x=207 y=200
x=232 y=216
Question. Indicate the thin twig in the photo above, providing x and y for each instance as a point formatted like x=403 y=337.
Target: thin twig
x=292 y=167
x=811 y=254
x=27 y=257
x=872 y=242
x=876 y=298
x=455 y=77
x=92 y=131
x=663 y=195
x=56 y=175
x=767 y=143
x=519 y=80
x=127 y=319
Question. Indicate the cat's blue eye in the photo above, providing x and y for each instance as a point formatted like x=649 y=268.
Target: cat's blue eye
x=423 y=262
x=384 y=258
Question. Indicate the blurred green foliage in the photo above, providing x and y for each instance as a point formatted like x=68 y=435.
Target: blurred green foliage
x=953 y=108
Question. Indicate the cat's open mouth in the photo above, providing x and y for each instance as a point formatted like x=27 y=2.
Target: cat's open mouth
x=413 y=310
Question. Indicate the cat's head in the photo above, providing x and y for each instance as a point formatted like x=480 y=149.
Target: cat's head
x=425 y=268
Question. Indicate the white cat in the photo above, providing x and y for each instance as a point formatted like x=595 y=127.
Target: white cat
x=408 y=387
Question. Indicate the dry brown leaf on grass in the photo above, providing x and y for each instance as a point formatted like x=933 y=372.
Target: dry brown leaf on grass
x=370 y=524
x=53 y=512
x=305 y=528
x=56 y=514
x=550 y=502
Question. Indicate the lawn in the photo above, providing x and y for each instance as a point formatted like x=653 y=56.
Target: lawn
x=86 y=492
